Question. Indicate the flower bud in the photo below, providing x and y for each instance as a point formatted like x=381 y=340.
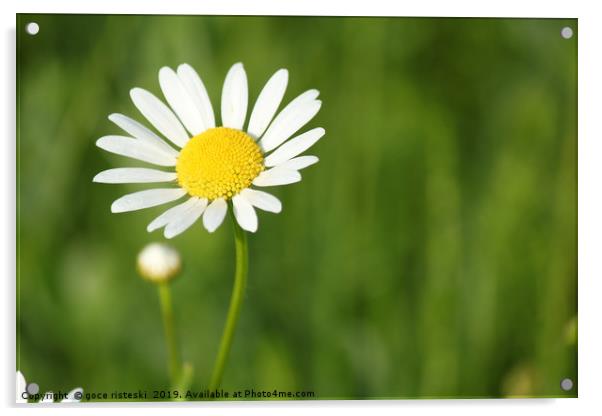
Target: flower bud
x=158 y=262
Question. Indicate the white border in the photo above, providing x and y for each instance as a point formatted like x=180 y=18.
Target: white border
x=508 y=8
x=590 y=200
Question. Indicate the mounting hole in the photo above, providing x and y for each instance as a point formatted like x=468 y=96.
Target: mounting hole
x=32 y=28
x=566 y=384
x=566 y=32
x=32 y=388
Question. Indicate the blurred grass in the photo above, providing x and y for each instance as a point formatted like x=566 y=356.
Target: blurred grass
x=431 y=252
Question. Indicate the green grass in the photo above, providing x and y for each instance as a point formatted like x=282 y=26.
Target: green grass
x=431 y=253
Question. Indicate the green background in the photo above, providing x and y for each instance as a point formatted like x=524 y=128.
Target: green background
x=431 y=253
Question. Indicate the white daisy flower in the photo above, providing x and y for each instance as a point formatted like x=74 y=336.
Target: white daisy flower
x=213 y=163
x=158 y=262
x=74 y=396
x=21 y=388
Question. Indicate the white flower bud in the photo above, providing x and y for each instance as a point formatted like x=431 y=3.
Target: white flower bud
x=158 y=262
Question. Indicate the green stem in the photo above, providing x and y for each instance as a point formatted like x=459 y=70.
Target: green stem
x=173 y=351
x=185 y=380
x=240 y=281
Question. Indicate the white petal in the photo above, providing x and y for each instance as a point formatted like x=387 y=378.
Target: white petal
x=48 y=397
x=135 y=149
x=171 y=215
x=294 y=116
x=294 y=147
x=159 y=115
x=235 y=96
x=134 y=175
x=178 y=98
x=198 y=93
x=299 y=163
x=244 y=213
x=186 y=220
x=277 y=176
x=305 y=97
x=141 y=133
x=267 y=103
x=214 y=214
x=21 y=387
x=146 y=199
x=262 y=200
x=71 y=396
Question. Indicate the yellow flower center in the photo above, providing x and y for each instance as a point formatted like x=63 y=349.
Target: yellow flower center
x=218 y=163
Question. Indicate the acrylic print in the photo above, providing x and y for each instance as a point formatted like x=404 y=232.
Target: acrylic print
x=295 y=208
